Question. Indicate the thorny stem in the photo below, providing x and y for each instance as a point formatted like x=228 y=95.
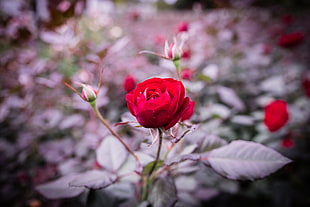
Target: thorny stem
x=115 y=134
x=147 y=180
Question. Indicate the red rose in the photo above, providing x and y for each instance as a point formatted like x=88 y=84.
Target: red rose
x=276 y=115
x=291 y=39
x=159 y=102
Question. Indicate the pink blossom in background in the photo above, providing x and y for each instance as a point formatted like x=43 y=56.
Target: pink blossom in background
x=182 y=27
x=187 y=73
x=186 y=54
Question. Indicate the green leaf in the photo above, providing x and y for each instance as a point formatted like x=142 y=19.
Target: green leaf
x=163 y=192
x=147 y=169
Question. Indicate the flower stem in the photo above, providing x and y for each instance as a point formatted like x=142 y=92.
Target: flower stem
x=148 y=179
x=114 y=133
x=158 y=152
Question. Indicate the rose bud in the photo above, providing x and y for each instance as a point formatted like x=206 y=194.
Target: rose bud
x=89 y=94
x=129 y=83
x=174 y=51
x=292 y=39
x=276 y=115
x=159 y=102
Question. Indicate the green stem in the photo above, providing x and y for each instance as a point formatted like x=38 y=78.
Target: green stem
x=147 y=180
x=114 y=133
x=176 y=63
x=158 y=152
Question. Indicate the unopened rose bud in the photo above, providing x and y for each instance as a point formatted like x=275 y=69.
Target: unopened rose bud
x=89 y=94
x=173 y=51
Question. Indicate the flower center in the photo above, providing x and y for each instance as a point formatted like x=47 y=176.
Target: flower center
x=151 y=94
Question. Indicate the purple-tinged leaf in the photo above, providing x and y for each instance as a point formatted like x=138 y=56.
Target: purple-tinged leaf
x=59 y=188
x=94 y=179
x=175 y=156
x=210 y=142
x=163 y=192
x=187 y=131
x=178 y=159
x=245 y=160
x=111 y=154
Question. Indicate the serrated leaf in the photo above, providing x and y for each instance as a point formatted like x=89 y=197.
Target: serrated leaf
x=59 y=188
x=111 y=154
x=245 y=160
x=210 y=142
x=147 y=169
x=178 y=159
x=94 y=179
x=163 y=192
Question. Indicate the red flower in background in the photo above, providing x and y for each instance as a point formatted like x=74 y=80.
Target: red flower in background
x=159 y=102
x=129 y=83
x=182 y=27
x=276 y=115
x=287 y=19
x=187 y=73
x=186 y=54
x=306 y=86
x=292 y=39
x=287 y=143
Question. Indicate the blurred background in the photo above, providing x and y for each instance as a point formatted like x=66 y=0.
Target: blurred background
x=47 y=131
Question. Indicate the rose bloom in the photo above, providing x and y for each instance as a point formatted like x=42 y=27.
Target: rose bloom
x=292 y=39
x=159 y=102
x=276 y=115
